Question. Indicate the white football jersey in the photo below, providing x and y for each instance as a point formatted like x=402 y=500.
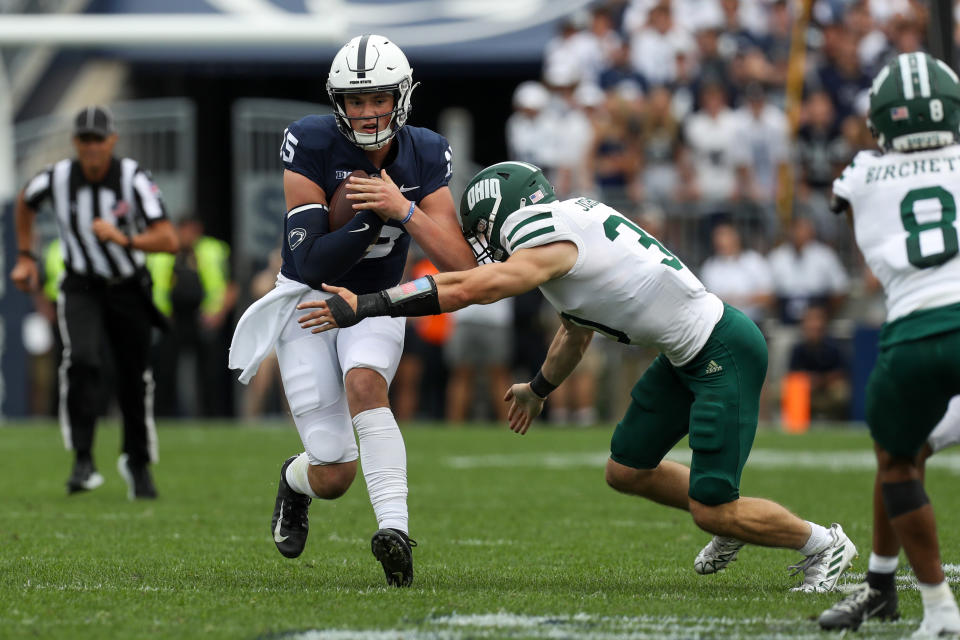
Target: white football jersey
x=624 y=284
x=905 y=222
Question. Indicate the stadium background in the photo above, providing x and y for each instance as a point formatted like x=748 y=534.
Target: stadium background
x=206 y=115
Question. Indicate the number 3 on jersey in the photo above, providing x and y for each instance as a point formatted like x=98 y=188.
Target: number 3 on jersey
x=914 y=228
x=610 y=229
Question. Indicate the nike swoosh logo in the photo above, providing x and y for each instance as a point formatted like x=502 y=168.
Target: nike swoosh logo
x=363 y=228
x=404 y=189
x=276 y=532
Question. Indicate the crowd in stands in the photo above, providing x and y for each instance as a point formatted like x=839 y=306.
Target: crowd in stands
x=676 y=114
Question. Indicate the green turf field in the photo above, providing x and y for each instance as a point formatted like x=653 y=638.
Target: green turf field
x=519 y=538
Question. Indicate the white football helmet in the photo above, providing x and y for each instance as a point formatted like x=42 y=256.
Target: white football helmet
x=370 y=64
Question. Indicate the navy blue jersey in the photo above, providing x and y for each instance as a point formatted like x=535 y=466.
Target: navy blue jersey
x=315 y=148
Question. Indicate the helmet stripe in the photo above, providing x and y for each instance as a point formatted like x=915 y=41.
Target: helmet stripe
x=362 y=56
x=906 y=78
x=924 y=74
x=946 y=69
x=879 y=80
x=525 y=165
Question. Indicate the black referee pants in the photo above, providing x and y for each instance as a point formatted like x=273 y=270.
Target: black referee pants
x=91 y=312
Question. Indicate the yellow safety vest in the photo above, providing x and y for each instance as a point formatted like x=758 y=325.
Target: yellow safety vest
x=213 y=267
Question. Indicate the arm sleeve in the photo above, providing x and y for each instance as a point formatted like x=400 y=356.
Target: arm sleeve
x=322 y=255
x=38 y=189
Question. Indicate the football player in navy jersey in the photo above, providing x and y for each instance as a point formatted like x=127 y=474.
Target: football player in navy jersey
x=337 y=382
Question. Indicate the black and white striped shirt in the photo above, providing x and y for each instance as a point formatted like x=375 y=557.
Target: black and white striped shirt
x=126 y=197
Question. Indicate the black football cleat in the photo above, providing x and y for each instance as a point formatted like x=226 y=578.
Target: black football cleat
x=862 y=604
x=138 y=479
x=393 y=549
x=289 y=524
x=84 y=477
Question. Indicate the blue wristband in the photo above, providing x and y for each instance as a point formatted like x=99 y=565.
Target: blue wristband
x=409 y=213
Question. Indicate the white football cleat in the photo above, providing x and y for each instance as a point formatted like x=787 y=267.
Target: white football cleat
x=718 y=553
x=939 y=622
x=822 y=570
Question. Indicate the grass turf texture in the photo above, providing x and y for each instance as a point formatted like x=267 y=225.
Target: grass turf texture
x=519 y=537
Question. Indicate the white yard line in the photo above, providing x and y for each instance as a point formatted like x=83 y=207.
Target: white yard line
x=759 y=459
x=584 y=627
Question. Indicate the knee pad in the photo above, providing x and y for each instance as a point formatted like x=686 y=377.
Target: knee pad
x=327 y=434
x=903 y=497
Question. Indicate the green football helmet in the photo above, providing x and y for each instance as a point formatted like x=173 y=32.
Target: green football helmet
x=491 y=196
x=915 y=104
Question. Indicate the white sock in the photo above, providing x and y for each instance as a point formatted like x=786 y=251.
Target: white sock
x=883 y=564
x=297 y=476
x=383 y=459
x=934 y=595
x=819 y=540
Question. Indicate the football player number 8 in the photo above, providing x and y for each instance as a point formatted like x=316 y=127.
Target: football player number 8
x=948 y=215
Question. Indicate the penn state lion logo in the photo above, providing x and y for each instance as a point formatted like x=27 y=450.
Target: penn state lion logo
x=295 y=237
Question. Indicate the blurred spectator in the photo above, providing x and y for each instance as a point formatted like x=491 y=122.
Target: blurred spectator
x=818 y=355
x=736 y=36
x=603 y=31
x=658 y=148
x=264 y=394
x=872 y=43
x=712 y=66
x=762 y=133
x=688 y=15
x=820 y=155
x=611 y=160
x=740 y=277
x=41 y=335
x=567 y=146
x=654 y=47
x=839 y=72
x=906 y=33
x=806 y=272
x=530 y=126
x=576 y=50
x=619 y=73
x=574 y=402
x=776 y=45
x=710 y=170
x=194 y=289
x=420 y=385
x=478 y=354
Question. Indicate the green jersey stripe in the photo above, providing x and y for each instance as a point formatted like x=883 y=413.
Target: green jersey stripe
x=531 y=235
x=530 y=220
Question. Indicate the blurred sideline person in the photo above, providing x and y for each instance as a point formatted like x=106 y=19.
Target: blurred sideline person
x=604 y=273
x=818 y=356
x=265 y=387
x=902 y=206
x=339 y=382
x=194 y=289
x=109 y=213
x=478 y=353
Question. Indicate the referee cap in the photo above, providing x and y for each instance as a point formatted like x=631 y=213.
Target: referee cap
x=94 y=119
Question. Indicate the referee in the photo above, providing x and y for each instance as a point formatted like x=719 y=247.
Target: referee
x=109 y=213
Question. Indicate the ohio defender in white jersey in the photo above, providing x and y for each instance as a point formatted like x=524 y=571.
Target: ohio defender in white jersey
x=603 y=273
x=903 y=205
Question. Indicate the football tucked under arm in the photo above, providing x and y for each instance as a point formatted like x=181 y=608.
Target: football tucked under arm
x=341 y=207
x=323 y=255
